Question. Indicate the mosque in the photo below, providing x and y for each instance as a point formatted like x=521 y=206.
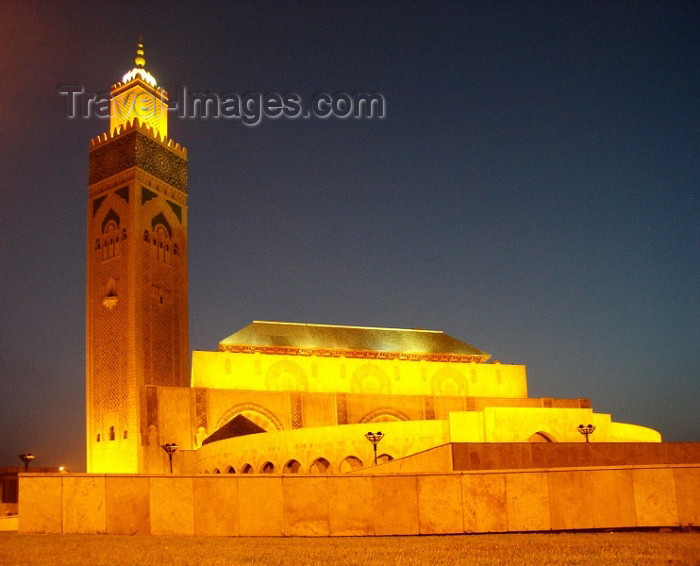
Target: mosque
x=274 y=397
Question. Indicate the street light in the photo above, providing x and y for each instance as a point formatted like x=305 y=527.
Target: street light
x=170 y=448
x=374 y=438
x=586 y=430
x=26 y=458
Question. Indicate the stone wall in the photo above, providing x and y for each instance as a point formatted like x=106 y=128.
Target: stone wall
x=517 y=455
x=9 y=523
x=361 y=505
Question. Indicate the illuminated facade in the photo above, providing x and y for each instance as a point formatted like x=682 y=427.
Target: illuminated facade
x=136 y=303
x=317 y=389
x=275 y=397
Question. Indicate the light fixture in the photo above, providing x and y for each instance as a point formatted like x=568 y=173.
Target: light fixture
x=26 y=458
x=170 y=448
x=586 y=430
x=374 y=438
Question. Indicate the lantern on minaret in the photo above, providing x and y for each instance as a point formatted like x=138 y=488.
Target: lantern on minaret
x=139 y=96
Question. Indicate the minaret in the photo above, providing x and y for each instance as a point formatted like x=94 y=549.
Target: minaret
x=136 y=304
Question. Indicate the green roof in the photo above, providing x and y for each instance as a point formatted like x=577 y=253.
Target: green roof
x=274 y=334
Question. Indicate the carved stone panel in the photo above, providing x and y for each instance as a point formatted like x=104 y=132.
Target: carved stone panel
x=297 y=414
x=138 y=149
x=342 y=408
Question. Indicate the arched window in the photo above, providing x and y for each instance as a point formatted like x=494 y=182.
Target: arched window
x=125 y=435
x=230 y=470
x=98 y=437
x=162 y=242
x=384 y=458
x=349 y=464
x=291 y=467
x=267 y=468
x=247 y=469
x=320 y=466
x=110 y=240
x=112 y=435
x=217 y=471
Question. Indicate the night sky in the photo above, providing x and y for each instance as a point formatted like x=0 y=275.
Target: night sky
x=532 y=191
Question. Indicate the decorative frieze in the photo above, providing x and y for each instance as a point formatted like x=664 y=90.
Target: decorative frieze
x=136 y=149
x=363 y=354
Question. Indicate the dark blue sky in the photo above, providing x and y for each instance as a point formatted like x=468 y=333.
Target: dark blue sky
x=532 y=191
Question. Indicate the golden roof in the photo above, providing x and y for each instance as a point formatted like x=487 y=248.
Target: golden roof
x=302 y=338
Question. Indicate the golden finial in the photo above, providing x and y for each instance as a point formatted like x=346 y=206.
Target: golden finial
x=140 y=59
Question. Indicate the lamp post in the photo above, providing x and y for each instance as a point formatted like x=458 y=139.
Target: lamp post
x=586 y=430
x=170 y=448
x=374 y=438
x=26 y=458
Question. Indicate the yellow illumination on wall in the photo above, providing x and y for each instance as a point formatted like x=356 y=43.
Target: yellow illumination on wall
x=314 y=374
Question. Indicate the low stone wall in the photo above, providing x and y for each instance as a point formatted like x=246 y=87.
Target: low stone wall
x=9 y=523
x=361 y=505
x=517 y=455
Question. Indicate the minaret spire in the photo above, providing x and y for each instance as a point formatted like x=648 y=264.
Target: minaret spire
x=139 y=96
x=140 y=59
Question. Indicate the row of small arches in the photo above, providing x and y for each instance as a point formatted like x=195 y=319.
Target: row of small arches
x=109 y=243
x=161 y=240
x=320 y=466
